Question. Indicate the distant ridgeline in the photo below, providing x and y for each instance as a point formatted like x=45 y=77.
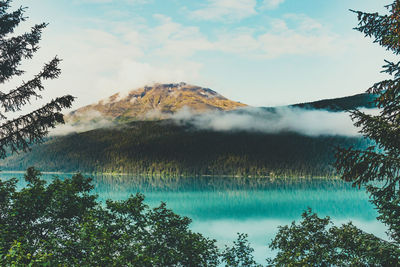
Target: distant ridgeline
x=343 y=103
x=163 y=147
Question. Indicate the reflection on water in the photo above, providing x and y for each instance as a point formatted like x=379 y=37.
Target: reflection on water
x=222 y=206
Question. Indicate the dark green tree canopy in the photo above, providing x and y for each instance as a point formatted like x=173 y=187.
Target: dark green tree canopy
x=18 y=133
x=63 y=224
x=316 y=242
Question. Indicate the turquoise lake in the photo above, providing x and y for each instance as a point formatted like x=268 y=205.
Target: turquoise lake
x=220 y=207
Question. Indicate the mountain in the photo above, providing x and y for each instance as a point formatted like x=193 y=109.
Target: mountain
x=144 y=141
x=153 y=102
x=161 y=100
x=342 y=103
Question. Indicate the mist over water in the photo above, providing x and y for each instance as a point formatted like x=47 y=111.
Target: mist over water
x=223 y=206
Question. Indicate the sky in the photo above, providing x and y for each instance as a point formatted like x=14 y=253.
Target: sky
x=258 y=52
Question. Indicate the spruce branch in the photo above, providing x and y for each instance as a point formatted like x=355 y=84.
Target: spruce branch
x=32 y=127
x=14 y=49
x=9 y=21
x=15 y=99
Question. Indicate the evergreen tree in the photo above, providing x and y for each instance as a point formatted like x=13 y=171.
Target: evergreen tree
x=378 y=167
x=18 y=133
x=313 y=241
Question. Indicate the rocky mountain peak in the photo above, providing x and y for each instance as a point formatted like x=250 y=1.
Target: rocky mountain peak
x=155 y=101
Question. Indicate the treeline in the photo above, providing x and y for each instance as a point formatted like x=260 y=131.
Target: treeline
x=162 y=148
x=364 y=100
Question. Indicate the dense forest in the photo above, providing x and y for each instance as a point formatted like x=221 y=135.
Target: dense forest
x=165 y=148
x=363 y=100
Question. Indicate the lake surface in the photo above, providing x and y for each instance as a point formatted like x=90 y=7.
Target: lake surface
x=221 y=207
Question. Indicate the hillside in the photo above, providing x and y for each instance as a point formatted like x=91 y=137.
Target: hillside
x=164 y=148
x=340 y=104
x=153 y=102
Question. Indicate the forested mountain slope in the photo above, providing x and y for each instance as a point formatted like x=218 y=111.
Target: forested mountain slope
x=165 y=148
x=340 y=104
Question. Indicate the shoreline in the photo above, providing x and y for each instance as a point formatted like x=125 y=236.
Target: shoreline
x=335 y=177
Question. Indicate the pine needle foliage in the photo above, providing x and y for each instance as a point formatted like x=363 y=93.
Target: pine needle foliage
x=378 y=167
x=315 y=241
x=16 y=134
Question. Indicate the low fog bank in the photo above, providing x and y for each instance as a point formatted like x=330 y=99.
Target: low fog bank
x=274 y=120
x=263 y=120
x=68 y=128
x=87 y=121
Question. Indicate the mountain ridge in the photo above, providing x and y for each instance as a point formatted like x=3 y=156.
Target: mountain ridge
x=160 y=101
x=363 y=100
x=157 y=101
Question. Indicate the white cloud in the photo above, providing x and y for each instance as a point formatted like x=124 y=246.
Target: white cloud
x=292 y=43
x=271 y=4
x=132 y=74
x=110 y=1
x=226 y=10
x=303 y=22
x=291 y=35
x=232 y=10
x=249 y=119
x=307 y=122
x=175 y=39
x=92 y=120
x=98 y=63
x=294 y=34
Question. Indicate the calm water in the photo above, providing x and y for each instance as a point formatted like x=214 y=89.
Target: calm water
x=221 y=207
